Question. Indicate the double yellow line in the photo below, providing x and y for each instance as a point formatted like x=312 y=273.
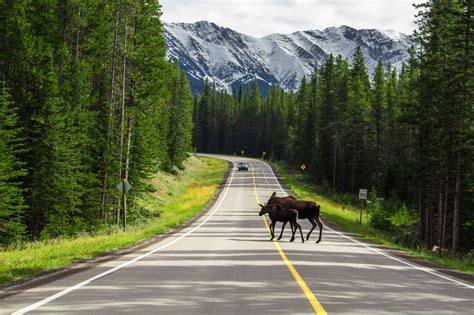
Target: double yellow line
x=317 y=307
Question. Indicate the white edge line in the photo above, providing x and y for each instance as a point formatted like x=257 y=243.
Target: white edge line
x=425 y=269
x=105 y=273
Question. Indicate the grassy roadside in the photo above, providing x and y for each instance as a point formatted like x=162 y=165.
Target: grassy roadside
x=178 y=197
x=347 y=218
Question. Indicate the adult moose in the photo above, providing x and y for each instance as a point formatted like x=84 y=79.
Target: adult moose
x=306 y=210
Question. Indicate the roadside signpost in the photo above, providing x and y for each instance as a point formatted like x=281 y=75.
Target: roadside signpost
x=124 y=187
x=242 y=152
x=263 y=154
x=362 y=197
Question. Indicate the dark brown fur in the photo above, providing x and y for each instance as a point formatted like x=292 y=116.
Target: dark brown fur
x=306 y=210
x=279 y=214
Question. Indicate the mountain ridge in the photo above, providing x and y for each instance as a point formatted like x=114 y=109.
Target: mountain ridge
x=219 y=54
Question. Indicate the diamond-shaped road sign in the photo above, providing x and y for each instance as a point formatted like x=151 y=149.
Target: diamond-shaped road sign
x=124 y=186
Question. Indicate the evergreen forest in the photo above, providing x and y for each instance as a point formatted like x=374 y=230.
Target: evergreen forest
x=406 y=135
x=87 y=100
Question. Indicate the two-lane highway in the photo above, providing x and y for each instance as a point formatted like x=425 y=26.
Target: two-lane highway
x=224 y=263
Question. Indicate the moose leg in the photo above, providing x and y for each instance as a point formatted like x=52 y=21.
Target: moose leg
x=282 y=229
x=293 y=230
x=320 y=224
x=301 y=232
x=272 y=230
x=310 y=231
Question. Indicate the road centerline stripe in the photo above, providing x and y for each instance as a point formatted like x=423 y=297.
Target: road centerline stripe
x=313 y=301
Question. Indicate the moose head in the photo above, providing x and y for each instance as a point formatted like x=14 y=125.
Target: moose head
x=263 y=209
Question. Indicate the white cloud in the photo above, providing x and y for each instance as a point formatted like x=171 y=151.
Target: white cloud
x=263 y=17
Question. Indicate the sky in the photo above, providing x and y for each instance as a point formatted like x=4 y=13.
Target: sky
x=263 y=17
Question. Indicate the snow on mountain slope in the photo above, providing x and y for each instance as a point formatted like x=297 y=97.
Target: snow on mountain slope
x=208 y=51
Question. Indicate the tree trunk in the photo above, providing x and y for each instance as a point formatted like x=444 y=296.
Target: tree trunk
x=110 y=128
x=122 y=118
x=353 y=165
x=445 y=213
x=343 y=169
x=78 y=32
x=127 y=165
x=457 y=198
x=440 y=214
x=428 y=224
x=421 y=212
x=334 y=164
x=377 y=148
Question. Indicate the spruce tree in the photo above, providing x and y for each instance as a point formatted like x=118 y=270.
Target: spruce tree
x=378 y=123
x=356 y=116
x=12 y=172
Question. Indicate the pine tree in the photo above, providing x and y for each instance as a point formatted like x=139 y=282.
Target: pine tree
x=301 y=153
x=12 y=204
x=393 y=131
x=181 y=120
x=342 y=134
x=202 y=119
x=378 y=123
x=328 y=123
x=356 y=117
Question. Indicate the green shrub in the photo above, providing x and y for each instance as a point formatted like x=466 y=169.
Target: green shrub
x=379 y=218
x=403 y=217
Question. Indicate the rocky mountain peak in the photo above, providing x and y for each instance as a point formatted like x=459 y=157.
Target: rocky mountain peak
x=209 y=51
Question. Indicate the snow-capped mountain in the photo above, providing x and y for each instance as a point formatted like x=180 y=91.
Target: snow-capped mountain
x=206 y=50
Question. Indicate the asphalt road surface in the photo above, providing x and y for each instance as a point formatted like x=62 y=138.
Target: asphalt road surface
x=224 y=263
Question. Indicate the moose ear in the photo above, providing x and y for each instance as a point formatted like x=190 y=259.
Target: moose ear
x=261 y=206
x=273 y=195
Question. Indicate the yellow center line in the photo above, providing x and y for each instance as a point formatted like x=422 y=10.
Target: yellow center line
x=317 y=307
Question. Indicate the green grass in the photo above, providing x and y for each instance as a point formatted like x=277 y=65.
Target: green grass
x=347 y=218
x=179 y=197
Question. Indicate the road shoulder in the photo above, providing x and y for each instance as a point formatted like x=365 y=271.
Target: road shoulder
x=53 y=274
x=464 y=277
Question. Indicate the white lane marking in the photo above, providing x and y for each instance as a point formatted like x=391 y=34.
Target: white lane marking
x=265 y=176
x=425 y=269
x=105 y=273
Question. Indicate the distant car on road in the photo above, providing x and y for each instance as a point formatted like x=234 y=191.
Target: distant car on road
x=243 y=166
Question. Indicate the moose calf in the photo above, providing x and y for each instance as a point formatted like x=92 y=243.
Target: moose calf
x=279 y=214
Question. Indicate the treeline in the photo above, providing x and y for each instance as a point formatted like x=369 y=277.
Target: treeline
x=87 y=100
x=406 y=136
